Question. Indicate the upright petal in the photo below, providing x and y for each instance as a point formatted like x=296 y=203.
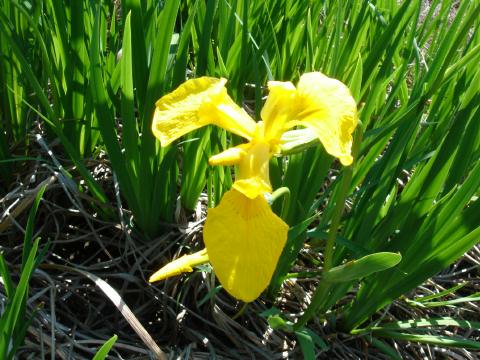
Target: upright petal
x=278 y=109
x=253 y=176
x=252 y=159
x=326 y=106
x=196 y=103
x=244 y=240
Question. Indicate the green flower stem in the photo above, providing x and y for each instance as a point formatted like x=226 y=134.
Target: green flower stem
x=324 y=287
x=340 y=205
x=337 y=215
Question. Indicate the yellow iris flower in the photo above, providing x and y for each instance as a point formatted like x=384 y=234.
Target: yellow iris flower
x=242 y=235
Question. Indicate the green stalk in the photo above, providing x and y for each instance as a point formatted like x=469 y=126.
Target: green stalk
x=337 y=215
x=321 y=294
x=323 y=289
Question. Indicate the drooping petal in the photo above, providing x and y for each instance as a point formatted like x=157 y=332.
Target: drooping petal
x=196 y=103
x=180 y=265
x=244 y=240
x=326 y=106
x=253 y=186
x=278 y=109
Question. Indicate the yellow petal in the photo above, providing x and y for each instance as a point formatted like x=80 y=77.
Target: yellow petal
x=180 y=265
x=222 y=111
x=252 y=187
x=253 y=175
x=196 y=103
x=278 y=109
x=244 y=240
x=326 y=106
x=231 y=156
x=176 y=114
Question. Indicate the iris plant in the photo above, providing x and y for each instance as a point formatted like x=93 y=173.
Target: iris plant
x=243 y=237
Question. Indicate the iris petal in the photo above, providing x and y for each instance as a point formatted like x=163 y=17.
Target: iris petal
x=326 y=106
x=231 y=156
x=278 y=109
x=244 y=240
x=253 y=186
x=180 y=265
x=196 y=103
x=252 y=159
x=253 y=176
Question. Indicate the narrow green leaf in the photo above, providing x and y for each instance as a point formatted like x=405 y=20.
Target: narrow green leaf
x=306 y=344
x=356 y=80
x=441 y=293
x=28 y=238
x=105 y=113
x=102 y=353
x=422 y=323
x=158 y=67
x=130 y=131
x=6 y=278
x=138 y=35
x=195 y=164
x=383 y=347
x=205 y=41
x=473 y=297
x=309 y=341
x=21 y=292
x=445 y=341
x=180 y=67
